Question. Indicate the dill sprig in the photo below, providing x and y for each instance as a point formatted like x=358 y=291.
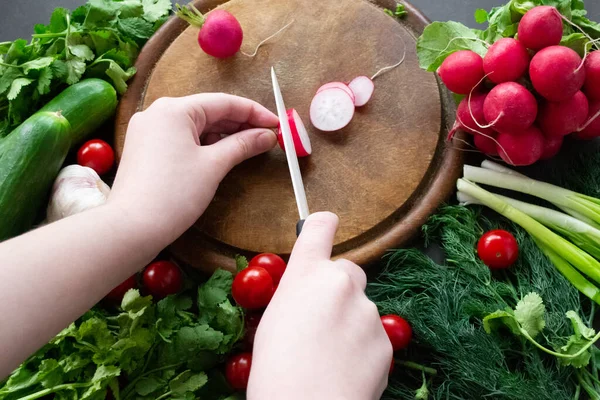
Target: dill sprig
x=445 y=305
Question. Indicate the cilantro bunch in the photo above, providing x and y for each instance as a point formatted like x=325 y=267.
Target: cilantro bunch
x=100 y=39
x=166 y=350
x=440 y=39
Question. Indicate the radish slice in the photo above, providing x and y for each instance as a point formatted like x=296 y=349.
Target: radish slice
x=331 y=110
x=338 y=85
x=363 y=88
x=299 y=134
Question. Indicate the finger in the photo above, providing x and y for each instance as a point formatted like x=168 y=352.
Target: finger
x=228 y=127
x=356 y=273
x=214 y=107
x=233 y=149
x=315 y=243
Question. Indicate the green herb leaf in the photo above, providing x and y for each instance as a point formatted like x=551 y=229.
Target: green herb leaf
x=44 y=81
x=82 y=51
x=241 y=263
x=580 y=329
x=215 y=290
x=187 y=381
x=100 y=381
x=16 y=86
x=440 y=39
x=530 y=312
x=136 y=28
x=75 y=69
x=497 y=319
x=149 y=385
x=481 y=16
x=155 y=9
x=134 y=302
x=37 y=64
x=119 y=77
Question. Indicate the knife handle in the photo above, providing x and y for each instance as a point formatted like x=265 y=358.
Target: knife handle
x=299 y=226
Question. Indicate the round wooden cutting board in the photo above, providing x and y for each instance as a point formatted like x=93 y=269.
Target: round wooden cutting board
x=383 y=175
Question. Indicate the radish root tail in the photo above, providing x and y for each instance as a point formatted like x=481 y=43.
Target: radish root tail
x=491 y=138
x=267 y=39
x=568 y=21
x=589 y=121
x=469 y=101
x=391 y=67
x=587 y=53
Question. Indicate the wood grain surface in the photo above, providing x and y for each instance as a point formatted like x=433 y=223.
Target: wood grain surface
x=382 y=175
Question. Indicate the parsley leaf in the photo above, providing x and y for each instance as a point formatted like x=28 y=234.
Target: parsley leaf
x=16 y=86
x=155 y=9
x=530 y=312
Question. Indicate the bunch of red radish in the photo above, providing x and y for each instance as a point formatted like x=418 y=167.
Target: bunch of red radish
x=543 y=91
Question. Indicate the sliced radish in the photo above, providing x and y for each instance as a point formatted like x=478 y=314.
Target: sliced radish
x=299 y=135
x=331 y=110
x=363 y=88
x=338 y=85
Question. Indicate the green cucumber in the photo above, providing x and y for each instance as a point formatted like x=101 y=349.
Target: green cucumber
x=86 y=105
x=30 y=158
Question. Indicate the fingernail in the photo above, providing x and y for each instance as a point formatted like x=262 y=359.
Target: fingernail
x=267 y=139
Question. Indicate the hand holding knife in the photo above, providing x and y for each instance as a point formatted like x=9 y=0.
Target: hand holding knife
x=290 y=153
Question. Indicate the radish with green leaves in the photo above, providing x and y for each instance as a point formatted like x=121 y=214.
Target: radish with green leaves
x=563 y=118
x=487 y=144
x=521 y=148
x=552 y=146
x=557 y=73
x=591 y=128
x=592 y=76
x=510 y=107
x=507 y=60
x=299 y=134
x=220 y=33
x=462 y=71
x=541 y=27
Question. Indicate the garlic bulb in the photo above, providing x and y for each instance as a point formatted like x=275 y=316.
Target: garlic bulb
x=75 y=189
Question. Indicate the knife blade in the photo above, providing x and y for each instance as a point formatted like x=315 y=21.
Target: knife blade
x=290 y=154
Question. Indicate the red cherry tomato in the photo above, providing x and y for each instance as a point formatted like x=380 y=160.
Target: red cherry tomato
x=252 y=321
x=498 y=249
x=237 y=370
x=398 y=330
x=272 y=263
x=96 y=154
x=162 y=278
x=116 y=295
x=253 y=288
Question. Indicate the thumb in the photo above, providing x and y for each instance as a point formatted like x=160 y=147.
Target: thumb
x=243 y=145
x=315 y=243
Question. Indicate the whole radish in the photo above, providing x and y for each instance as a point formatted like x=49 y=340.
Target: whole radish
x=552 y=146
x=560 y=119
x=592 y=76
x=521 y=148
x=486 y=143
x=220 y=33
x=507 y=60
x=510 y=107
x=470 y=114
x=592 y=130
x=462 y=71
x=541 y=27
x=557 y=73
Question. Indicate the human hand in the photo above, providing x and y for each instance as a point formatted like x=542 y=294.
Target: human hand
x=320 y=337
x=174 y=158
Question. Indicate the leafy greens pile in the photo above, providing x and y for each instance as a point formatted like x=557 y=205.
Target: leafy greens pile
x=100 y=39
x=164 y=350
x=440 y=39
x=472 y=325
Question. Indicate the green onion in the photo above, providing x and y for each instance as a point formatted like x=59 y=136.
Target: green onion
x=580 y=203
x=581 y=234
x=570 y=254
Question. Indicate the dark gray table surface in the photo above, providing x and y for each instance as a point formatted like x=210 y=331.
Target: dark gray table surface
x=17 y=17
